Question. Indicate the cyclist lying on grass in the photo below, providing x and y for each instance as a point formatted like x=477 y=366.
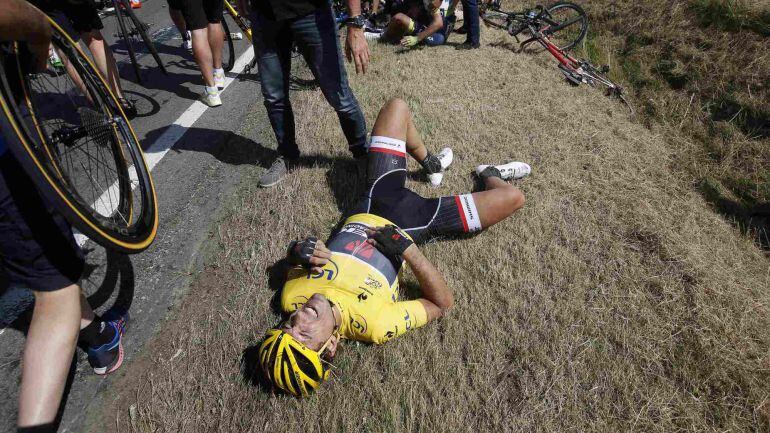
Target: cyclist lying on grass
x=349 y=289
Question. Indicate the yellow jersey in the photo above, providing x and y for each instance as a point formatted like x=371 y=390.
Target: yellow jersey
x=362 y=282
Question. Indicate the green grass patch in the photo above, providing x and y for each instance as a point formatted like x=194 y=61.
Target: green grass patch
x=731 y=15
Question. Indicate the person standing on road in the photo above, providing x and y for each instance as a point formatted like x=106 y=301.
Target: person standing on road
x=277 y=25
x=39 y=252
x=83 y=16
x=175 y=13
x=204 y=21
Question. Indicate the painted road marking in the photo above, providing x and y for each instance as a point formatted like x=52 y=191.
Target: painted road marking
x=167 y=140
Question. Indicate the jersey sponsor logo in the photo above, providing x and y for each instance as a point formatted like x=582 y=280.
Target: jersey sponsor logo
x=329 y=274
x=297 y=302
x=408 y=320
x=357 y=229
x=391 y=334
x=371 y=282
x=358 y=323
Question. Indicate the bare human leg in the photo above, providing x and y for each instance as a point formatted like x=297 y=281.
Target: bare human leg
x=203 y=55
x=178 y=19
x=216 y=35
x=395 y=121
x=48 y=354
x=104 y=59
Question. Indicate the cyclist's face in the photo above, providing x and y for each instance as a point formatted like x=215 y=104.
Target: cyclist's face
x=311 y=324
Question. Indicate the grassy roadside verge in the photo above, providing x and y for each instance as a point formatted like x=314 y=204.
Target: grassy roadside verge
x=698 y=69
x=614 y=301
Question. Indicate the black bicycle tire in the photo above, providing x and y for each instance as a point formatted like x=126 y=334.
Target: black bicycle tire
x=35 y=165
x=583 y=15
x=228 y=61
x=145 y=37
x=496 y=19
x=127 y=40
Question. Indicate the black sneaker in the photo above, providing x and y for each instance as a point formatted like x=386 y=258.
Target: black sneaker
x=467 y=46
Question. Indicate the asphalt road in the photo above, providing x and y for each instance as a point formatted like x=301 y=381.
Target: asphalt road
x=207 y=159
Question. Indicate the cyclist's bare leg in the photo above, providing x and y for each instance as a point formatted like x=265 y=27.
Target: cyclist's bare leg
x=104 y=59
x=74 y=76
x=375 y=7
x=203 y=56
x=499 y=199
x=497 y=202
x=397 y=27
x=48 y=354
x=395 y=121
x=216 y=42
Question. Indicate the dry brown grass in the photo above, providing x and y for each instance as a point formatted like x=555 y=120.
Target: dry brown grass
x=616 y=300
x=699 y=69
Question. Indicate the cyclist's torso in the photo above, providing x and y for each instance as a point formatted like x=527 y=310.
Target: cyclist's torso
x=362 y=282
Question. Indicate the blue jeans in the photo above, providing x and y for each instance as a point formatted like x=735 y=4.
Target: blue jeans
x=471 y=18
x=316 y=37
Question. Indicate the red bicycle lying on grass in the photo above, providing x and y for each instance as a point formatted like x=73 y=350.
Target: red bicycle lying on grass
x=557 y=28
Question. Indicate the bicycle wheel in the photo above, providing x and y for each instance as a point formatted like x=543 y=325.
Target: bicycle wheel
x=76 y=144
x=495 y=18
x=137 y=32
x=125 y=35
x=301 y=76
x=228 y=51
x=566 y=24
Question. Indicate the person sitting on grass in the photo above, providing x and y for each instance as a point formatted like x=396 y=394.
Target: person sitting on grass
x=349 y=288
x=414 y=22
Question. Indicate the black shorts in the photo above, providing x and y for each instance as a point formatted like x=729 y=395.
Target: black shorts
x=200 y=13
x=37 y=250
x=81 y=14
x=423 y=218
x=176 y=4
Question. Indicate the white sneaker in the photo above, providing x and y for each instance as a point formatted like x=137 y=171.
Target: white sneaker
x=512 y=170
x=219 y=78
x=211 y=97
x=187 y=41
x=446 y=156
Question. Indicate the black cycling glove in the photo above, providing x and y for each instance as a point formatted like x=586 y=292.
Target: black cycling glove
x=392 y=242
x=300 y=252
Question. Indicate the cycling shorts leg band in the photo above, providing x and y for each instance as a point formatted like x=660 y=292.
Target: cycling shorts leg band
x=392 y=146
x=453 y=215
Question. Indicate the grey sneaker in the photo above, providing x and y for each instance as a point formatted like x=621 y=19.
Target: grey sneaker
x=275 y=173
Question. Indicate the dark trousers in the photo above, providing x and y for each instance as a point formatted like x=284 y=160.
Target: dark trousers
x=316 y=37
x=471 y=18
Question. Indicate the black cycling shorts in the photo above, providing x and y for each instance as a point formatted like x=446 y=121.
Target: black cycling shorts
x=81 y=14
x=176 y=4
x=37 y=250
x=423 y=218
x=200 y=13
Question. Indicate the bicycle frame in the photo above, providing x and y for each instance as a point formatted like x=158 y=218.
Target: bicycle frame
x=238 y=19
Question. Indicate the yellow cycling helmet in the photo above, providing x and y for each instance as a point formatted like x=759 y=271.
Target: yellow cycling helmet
x=290 y=365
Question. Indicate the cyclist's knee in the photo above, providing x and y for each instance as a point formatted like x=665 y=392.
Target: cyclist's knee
x=396 y=106
x=515 y=198
x=401 y=19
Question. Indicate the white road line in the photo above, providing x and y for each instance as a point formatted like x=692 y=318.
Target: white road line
x=168 y=139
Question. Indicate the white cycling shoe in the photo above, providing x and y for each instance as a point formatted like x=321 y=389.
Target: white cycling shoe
x=211 y=97
x=446 y=156
x=512 y=170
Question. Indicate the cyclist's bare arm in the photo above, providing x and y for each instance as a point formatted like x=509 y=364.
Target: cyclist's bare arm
x=20 y=21
x=434 y=26
x=436 y=296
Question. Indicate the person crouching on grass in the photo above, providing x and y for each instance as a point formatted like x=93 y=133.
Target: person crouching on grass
x=349 y=288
